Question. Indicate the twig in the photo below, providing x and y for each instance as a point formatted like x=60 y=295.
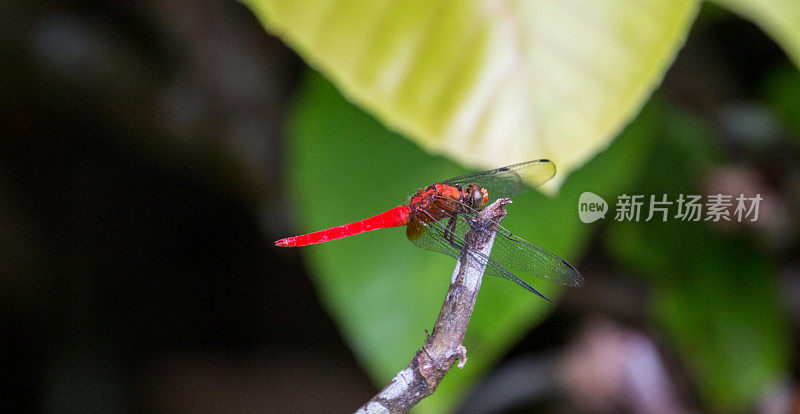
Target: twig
x=444 y=346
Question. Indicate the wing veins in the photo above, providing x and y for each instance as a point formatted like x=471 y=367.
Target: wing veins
x=510 y=180
x=455 y=248
x=565 y=273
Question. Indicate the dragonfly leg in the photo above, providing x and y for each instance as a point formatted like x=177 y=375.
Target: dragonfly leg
x=451 y=229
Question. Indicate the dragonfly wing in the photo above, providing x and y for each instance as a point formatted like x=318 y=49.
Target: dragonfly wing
x=438 y=238
x=434 y=237
x=520 y=255
x=508 y=181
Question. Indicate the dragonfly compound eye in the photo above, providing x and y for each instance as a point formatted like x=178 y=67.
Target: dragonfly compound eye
x=478 y=197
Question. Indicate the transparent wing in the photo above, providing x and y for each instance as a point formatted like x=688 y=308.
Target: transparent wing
x=508 y=181
x=439 y=239
x=521 y=255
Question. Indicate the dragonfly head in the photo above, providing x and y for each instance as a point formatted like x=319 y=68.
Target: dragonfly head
x=475 y=196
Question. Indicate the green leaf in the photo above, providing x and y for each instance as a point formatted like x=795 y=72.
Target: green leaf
x=780 y=92
x=384 y=292
x=778 y=18
x=714 y=294
x=490 y=83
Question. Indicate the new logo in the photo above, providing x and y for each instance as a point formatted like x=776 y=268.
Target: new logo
x=591 y=207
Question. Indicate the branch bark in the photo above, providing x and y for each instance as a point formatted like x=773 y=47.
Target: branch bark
x=443 y=348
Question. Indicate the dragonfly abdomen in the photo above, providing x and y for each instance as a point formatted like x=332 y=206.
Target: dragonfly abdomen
x=397 y=216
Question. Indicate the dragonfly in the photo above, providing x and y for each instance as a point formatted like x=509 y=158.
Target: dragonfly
x=438 y=216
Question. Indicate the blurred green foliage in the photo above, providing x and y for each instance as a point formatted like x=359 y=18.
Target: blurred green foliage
x=714 y=292
x=781 y=93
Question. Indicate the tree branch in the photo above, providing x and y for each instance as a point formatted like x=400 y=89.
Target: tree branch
x=444 y=346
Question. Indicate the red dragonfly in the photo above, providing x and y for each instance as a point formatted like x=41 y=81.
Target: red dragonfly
x=457 y=200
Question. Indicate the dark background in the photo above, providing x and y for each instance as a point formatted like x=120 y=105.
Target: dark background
x=141 y=171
